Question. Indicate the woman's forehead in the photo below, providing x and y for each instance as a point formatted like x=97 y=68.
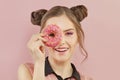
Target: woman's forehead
x=62 y=21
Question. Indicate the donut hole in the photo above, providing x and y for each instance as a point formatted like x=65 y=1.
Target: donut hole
x=52 y=34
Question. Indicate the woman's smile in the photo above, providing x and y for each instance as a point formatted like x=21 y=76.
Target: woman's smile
x=61 y=50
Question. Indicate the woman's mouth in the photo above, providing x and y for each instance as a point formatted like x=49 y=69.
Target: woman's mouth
x=61 y=49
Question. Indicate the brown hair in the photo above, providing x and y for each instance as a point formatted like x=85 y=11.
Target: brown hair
x=75 y=14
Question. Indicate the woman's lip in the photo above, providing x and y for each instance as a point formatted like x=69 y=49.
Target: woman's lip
x=61 y=49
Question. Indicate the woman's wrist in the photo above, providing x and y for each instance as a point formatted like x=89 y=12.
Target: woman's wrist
x=39 y=70
x=42 y=61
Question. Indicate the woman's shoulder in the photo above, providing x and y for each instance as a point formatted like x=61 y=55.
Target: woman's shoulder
x=85 y=77
x=25 y=71
x=26 y=67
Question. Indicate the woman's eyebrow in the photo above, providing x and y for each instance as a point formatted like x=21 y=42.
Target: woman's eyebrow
x=69 y=29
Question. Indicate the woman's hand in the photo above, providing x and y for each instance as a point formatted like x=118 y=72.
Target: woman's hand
x=37 y=47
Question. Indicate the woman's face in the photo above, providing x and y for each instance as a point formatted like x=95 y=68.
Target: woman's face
x=64 y=50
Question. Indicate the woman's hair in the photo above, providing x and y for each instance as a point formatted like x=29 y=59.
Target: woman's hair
x=75 y=14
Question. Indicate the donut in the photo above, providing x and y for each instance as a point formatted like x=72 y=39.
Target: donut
x=53 y=35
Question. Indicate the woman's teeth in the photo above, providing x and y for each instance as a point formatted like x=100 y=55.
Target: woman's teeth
x=61 y=50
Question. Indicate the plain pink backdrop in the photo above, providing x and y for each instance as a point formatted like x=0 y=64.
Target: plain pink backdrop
x=102 y=30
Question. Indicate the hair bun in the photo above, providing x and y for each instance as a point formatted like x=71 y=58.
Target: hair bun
x=80 y=12
x=36 y=16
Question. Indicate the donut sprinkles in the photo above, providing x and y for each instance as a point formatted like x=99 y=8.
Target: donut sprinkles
x=53 y=35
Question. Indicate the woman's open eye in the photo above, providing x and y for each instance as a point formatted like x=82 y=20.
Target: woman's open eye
x=69 y=33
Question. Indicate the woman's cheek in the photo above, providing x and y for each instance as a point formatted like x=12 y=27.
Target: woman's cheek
x=71 y=39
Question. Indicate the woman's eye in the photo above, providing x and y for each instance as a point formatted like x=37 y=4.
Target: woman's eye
x=69 y=33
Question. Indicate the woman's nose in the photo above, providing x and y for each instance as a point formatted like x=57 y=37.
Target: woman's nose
x=62 y=42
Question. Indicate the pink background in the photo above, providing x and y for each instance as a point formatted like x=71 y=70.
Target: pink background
x=102 y=30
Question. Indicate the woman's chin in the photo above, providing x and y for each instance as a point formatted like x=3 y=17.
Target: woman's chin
x=61 y=59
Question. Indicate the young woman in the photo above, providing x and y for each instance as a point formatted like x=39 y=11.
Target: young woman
x=60 y=45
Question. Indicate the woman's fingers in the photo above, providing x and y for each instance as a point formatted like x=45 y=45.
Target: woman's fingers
x=39 y=36
x=36 y=37
x=36 y=45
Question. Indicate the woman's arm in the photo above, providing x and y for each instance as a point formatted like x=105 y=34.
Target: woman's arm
x=39 y=73
x=37 y=48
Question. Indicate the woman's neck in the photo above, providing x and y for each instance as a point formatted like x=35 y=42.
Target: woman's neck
x=64 y=69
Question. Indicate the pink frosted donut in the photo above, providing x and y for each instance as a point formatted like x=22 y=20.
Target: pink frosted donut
x=53 y=35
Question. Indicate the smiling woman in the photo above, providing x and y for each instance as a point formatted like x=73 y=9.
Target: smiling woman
x=60 y=33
